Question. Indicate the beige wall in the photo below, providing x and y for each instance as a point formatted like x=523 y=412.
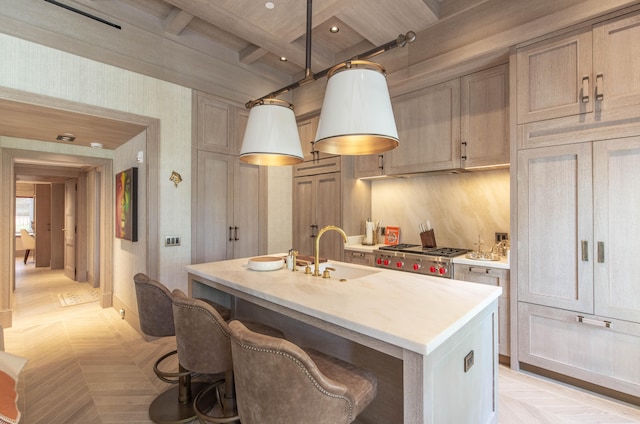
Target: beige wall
x=460 y=207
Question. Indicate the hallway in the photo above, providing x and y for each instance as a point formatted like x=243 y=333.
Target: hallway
x=86 y=365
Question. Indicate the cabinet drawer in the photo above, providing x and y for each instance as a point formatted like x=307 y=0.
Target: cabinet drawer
x=483 y=275
x=322 y=166
x=555 y=339
x=360 y=258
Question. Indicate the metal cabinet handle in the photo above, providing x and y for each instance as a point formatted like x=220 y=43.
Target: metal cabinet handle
x=599 y=87
x=235 y=229
x=600 y=252
x=585 y=251
x=313 y=230
x=585 y=89
x=381 y=162
x=479 y=270
x=230 y=233
x=581 y=319
x=464 y=154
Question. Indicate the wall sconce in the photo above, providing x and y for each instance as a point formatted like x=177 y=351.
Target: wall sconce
x=176 y=178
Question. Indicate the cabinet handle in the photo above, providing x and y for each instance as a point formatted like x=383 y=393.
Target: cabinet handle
x=600 y=252
x=380 y=162
x=235 y=229
x=479 y=270
x=230 y=233
x=585 y=89
x=585 y=251
x=464 y=154
x=313 y=228
x=599 y=87
x=597 y=323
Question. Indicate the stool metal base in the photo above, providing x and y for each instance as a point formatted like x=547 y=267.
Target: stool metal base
x=165 y=409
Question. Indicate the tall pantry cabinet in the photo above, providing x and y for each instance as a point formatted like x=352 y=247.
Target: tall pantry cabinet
x=229 y=197
x=578 y=212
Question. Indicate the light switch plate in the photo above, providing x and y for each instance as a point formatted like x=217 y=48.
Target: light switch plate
x=468 y=361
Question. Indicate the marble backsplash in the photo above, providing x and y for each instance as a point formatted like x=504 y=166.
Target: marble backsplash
x=460 y=207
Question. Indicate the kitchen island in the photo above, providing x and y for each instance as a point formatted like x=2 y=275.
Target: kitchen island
x=432 y=342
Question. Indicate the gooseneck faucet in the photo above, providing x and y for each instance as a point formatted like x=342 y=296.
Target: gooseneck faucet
x=316 y=271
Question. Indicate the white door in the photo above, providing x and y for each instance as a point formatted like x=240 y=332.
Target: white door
x=70 y=229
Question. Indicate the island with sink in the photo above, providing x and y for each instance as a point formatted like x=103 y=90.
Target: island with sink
x=431 y=342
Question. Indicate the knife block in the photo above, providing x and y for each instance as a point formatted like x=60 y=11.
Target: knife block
x=428 y=238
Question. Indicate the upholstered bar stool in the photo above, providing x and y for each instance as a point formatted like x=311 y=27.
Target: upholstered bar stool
x=279 y=383
x=155 y=311
x=204 y=346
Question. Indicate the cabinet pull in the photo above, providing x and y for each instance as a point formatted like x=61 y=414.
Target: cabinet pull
x=479 y=270
x=230 y=233
x=597 y=323
x=599 y=87
x=585 y=251
x=235 y=229
x=600 y=252
x=585 y=89
x=313 y=228
x=464 y=154
x=380 y=162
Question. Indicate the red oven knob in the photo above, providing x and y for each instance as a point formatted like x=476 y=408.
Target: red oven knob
x=386 y=262
x=442 y=271
x=416 y=267
x=379 y=261
x=399 y=264
x=432 y=269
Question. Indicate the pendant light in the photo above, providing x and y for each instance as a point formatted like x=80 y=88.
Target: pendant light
x=356 y=116
x=271 y=137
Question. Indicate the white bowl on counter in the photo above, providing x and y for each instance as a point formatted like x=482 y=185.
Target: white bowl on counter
x=266 y=263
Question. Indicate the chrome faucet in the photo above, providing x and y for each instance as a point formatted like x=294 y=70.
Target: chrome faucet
x=316 y=270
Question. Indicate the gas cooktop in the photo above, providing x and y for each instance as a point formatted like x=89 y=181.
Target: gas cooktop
x=446 y=252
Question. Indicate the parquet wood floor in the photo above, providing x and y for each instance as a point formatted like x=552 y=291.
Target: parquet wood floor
x=88 y=366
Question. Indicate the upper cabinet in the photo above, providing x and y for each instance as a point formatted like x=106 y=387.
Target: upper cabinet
x=428 y=123
x=579 y=83
x=307 y=129
x=462 y=123
x=219 y=127
x=484 y=118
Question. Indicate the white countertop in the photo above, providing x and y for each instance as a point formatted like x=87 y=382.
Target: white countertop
x=503 y=263
x=414 y=312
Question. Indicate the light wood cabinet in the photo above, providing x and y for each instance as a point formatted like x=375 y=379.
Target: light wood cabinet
x=428 y=124
x=367 y=166
x=578 y=214
x=492 y=277
x=591 y=71
x=307 y=129
x=230 y=208
x=218 y=126
x=484 y=118
x=360 y=258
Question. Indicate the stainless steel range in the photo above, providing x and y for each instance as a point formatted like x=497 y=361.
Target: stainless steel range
x=436 y=261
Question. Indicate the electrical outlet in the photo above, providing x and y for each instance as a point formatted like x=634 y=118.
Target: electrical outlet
x=468 y=361
x=501 y=236
x=172 y=241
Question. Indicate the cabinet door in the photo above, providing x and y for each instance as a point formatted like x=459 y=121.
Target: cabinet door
x=307 y=130
x=328 y=212
x=304 y=217
x=249 y=211
x=617 y=227
x=484 y=118
x=213 y=235
x=214 y=124
x=429 y=130
x=554 y=77
x=616 y=56
x=555 y=227
x=368 y=166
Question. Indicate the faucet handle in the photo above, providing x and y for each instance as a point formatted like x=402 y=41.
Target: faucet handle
x=325 y=273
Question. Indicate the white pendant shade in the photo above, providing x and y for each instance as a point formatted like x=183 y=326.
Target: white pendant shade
x=271 y=137
x=356 y=116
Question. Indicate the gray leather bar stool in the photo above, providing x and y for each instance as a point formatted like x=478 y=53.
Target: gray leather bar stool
x=155 y=312
x=279 y=383
x=204 y=346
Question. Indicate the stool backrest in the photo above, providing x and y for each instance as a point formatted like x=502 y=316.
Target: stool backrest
x=277 y=382
x=155 y=309
x=28 y=241
x=202 y=336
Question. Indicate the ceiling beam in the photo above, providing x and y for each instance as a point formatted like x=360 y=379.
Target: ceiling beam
x=252 y=53
x=177 y=21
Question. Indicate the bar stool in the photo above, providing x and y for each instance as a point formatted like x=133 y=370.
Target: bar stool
x=279 y=383
x=155 y=312
x=203 y=339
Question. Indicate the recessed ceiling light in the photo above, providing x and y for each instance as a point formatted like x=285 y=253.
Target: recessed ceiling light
x=334 y=29
x=283 y=59
x=96 y=145
x=269 y=5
